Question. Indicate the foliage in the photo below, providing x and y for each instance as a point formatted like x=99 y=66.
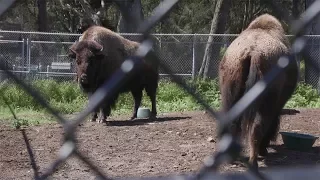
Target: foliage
x=304 y=96
x=67 y=98
x=189 y=16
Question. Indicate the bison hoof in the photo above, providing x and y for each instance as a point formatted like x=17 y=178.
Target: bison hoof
x=263 y=152
x=93 y=120
x=254 y=164
x=153 y=116
x=102 y=121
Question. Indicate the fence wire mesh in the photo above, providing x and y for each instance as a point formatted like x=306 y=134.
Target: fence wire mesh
x=39 y=54
x=35 y=55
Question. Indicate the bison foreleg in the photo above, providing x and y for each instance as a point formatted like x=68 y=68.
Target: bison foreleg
x=105 y=112
x=137 y=95
x=94 y=115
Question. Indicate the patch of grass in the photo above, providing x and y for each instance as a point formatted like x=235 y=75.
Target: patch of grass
x=67 y=98
x=25 y=117
x=304 y=96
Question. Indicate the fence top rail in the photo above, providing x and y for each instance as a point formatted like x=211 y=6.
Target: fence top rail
x=132 y=34
x=10 y=41
x=52 y=42
x=77 y=34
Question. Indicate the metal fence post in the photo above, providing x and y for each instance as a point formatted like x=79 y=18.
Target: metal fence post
x=48 y=67
x=193 y=57
x=28 y=54
x=23 y=51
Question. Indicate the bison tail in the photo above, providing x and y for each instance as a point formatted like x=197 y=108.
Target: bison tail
x=253 y=77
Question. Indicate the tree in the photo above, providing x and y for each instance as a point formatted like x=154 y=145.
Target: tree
x=211 y=56
x=134 y=10
x=42 y=15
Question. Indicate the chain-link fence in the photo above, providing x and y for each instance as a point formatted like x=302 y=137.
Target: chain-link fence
x=44 y=55
x=35 y=50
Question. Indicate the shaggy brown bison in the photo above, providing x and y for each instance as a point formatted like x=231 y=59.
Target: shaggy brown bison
x=248 y=58
x=98 y=54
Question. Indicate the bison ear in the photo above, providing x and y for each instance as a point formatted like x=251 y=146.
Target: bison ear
x=96 y=47
x=71 y=53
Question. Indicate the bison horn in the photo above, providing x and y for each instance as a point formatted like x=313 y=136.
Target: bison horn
x=95 y=47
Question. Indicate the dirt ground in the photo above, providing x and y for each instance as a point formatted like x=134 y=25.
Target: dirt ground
x=176 y=143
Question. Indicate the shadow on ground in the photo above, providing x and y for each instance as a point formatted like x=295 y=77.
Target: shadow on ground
x=280 y=156
x=137 y=122
x=289 y=112
x=283 y=156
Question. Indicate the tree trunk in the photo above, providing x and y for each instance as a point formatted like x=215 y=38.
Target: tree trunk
x=213 y=27
x=135 y=15
x=295 y=8
x=42 y=15
x=213 y=66
x=211 y=58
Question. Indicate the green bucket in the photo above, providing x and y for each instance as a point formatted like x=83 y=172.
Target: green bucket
x=298 y=141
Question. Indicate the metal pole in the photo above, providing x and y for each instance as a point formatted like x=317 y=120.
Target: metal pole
x=48 y=67
x=23 y=53
x=28 y=54
x=193 y=57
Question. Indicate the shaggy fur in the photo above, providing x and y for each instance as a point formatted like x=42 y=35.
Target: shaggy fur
x=248 y=58
x=99 y=53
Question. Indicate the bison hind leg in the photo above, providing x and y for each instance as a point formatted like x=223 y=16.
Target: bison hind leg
x=152 y=93
x=271 y=132
x=231 y=92
x=271 y=114
x=269 y=136
x=137 y=95
x=256 y=133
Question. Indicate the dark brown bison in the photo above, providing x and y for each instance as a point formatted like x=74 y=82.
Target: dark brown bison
x=98 y=54
x=248 y=58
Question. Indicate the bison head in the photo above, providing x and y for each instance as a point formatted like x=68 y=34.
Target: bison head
x=88 y=55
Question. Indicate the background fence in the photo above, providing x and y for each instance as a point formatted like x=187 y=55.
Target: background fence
x=228 y=147
x=44 y=55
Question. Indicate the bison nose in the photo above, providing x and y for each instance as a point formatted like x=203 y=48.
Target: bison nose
x=84 y=79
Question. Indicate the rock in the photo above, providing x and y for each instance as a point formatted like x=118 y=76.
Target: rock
x=210 y=139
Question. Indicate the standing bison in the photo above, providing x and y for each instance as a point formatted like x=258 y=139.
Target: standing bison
x=98 y=54
x=248 y=58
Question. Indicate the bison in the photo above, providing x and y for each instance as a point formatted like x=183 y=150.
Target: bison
x=98 y=54
x=248 y=58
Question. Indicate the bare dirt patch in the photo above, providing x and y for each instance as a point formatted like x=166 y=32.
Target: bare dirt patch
x=176 y=143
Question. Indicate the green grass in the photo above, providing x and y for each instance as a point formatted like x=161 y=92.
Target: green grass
x=67 y=98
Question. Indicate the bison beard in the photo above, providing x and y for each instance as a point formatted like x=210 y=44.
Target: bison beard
x=98 y=54
x=248 y=58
